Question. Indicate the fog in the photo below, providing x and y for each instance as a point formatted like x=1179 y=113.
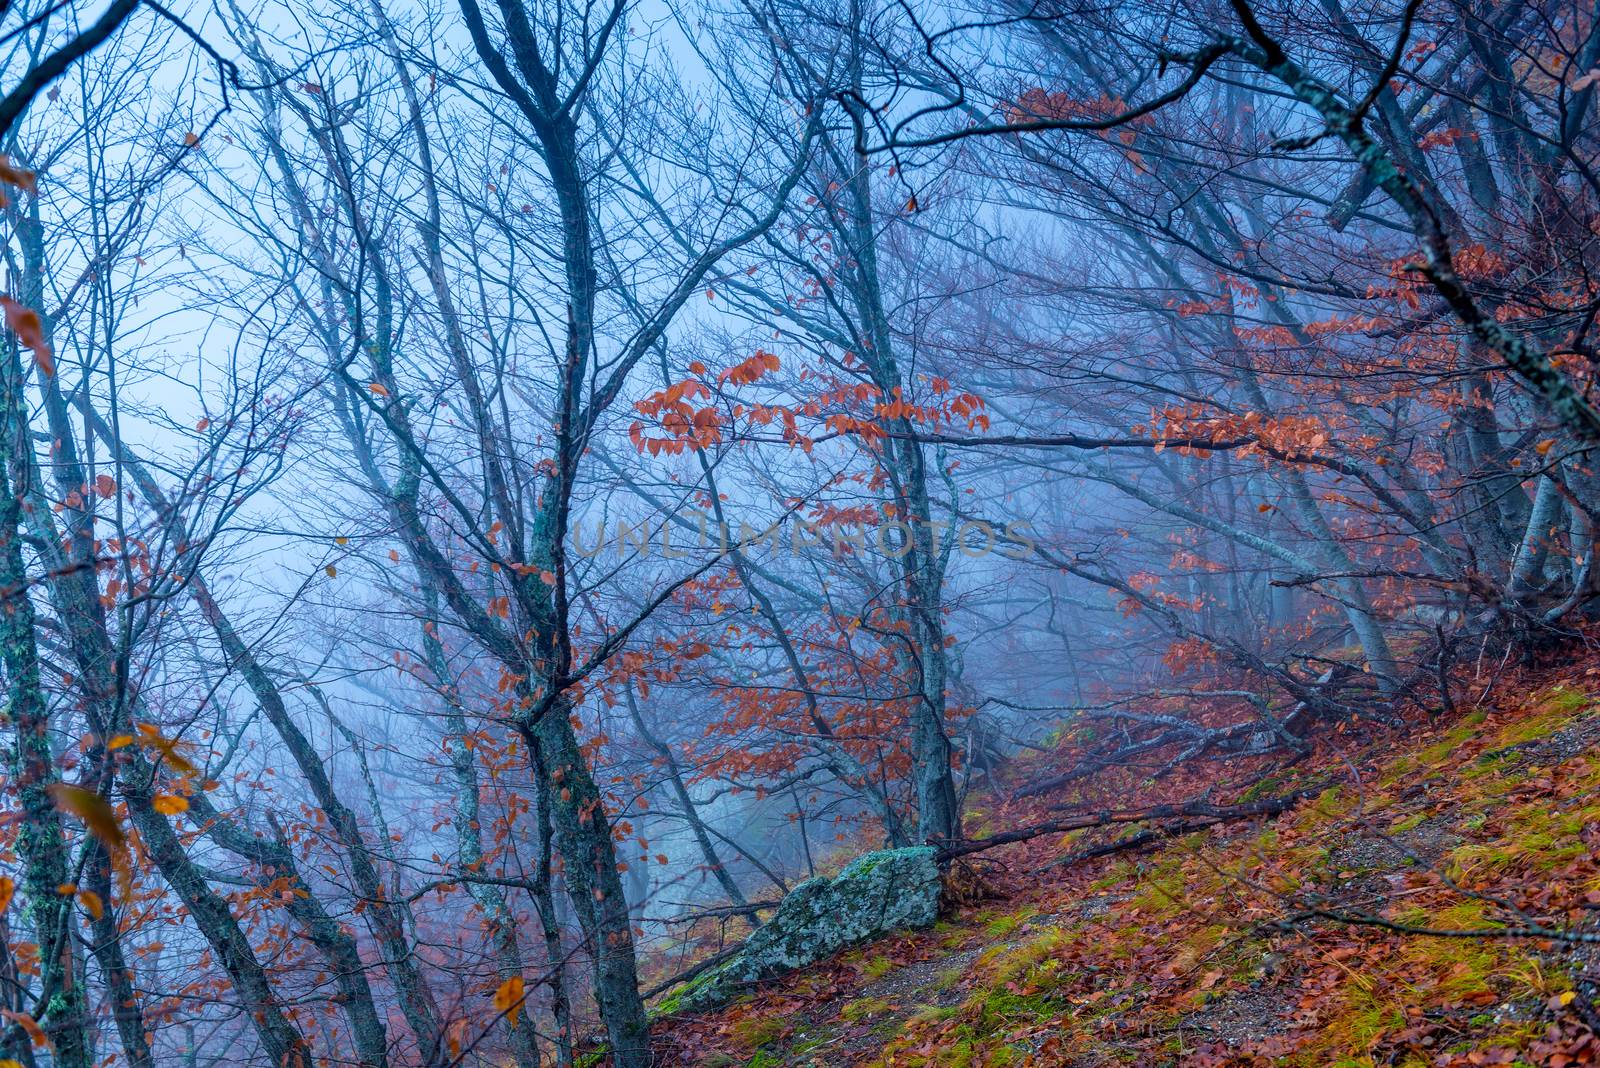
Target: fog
x=512 y=491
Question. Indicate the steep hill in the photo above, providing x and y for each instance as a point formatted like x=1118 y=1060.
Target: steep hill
x=1432 y=899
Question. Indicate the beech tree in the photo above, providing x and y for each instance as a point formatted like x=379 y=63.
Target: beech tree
x=939 y=381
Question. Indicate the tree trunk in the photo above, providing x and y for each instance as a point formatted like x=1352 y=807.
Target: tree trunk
x=583 y=837
x=41 y=842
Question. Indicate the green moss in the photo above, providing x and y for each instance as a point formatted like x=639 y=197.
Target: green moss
x=1013 y=986
x=864 y=1009
x=1032 y=960
x=997 y=1011
x=1441 y=750
x=753 y=1032
x=1204 y=940
x=878 y=967
x=886 y=1030
x=1489 y=778
x=1267 y=785
x=1001 y=926
x=1119 y=873
x=1537 y=838
x=816 y=1042
x=1516 y=1036
x=1331 y=805
x=1461 y=967
x=1563 y=699
x=1396 y=770
x=1363 y=1018
x=957 y=1048
x=1161 y=890
x=1558 y=706
x=933 y=1015
x=675 y=1001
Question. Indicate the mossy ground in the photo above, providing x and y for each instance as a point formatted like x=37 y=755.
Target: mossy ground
x=1199 y=952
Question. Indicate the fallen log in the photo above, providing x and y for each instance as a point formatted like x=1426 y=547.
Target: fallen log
x=1200 y=813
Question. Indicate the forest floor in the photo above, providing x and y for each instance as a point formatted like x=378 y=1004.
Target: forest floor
x=1201 y=950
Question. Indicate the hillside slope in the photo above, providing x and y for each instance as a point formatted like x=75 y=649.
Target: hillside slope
x=1435 y=902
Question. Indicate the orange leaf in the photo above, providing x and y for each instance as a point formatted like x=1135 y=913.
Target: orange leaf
x=8 y=887
x=1544 y=447
x=170 y=804
x=168 y=749
x=378 y=389
x=508 y=998
x=29 y=328
x=92 y=809
x=36 y=1033
x=11 y=174
x=91 y=903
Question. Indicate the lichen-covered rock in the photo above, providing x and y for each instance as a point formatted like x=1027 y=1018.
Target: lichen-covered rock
x=879 y=892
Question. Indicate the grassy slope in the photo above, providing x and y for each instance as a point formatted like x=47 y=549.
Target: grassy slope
x=1171 y=955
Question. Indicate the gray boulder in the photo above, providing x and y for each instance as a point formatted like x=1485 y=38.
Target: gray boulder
x=877 y=893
